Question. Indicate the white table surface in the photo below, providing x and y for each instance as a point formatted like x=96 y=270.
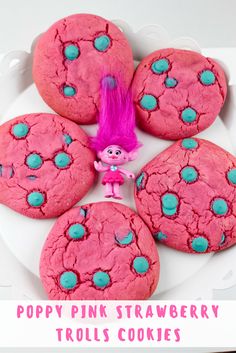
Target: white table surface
x=211 y=22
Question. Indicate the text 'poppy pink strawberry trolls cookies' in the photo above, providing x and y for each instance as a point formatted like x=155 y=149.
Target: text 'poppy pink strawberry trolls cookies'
x=186 y=195
x=101 y=251
x=178 y=93
x=46 y=165
x=70 y=59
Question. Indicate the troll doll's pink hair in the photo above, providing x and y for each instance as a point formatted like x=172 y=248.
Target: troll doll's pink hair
x=116 y=118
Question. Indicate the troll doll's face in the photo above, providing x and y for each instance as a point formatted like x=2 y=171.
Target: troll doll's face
x=116 y=155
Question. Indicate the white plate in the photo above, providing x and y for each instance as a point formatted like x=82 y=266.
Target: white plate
x=24 y=236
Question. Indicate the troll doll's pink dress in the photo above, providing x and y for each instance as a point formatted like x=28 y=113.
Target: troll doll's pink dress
x=113 y=175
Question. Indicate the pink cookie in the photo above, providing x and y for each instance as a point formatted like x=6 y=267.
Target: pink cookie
x=178 y=93
x=99 y=251
x=70 y=59
x=187 y=196
x=46 y=165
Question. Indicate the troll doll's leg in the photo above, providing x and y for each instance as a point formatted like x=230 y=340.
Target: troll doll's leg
x=109 y=191
x=116 y=191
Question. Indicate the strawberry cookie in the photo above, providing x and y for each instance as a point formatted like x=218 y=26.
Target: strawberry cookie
x=187 y=196
x=178 y=93
x=101 y=251
x=46 y=165
x=70 y=59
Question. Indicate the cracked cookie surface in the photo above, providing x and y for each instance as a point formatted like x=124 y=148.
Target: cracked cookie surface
x=46 y=165
x=71 y=58
x=99 y=251
x=178 y=93
x=187 y=196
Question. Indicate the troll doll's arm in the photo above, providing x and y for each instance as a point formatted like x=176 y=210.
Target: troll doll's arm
x=127 y=173
x=99 y=167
